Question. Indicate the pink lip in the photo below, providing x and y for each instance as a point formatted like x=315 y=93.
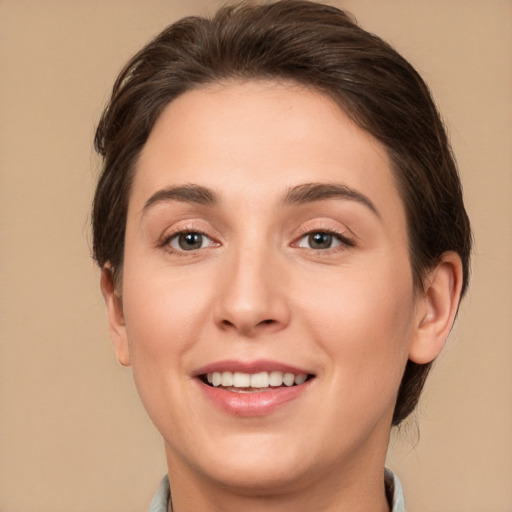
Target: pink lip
x=260 y=365
x=253 y=403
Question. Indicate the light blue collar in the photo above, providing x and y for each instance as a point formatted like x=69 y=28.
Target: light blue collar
x=163 y=495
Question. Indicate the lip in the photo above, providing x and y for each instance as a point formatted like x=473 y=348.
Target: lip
x=260 y=365
x=251 y=403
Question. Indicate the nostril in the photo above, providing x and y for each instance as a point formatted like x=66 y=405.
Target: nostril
x=228 y=324
x=267 y=322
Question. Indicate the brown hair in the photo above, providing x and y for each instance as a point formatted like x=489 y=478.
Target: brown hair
x=315 y=45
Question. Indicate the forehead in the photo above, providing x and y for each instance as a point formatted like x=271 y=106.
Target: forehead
x=261 y=136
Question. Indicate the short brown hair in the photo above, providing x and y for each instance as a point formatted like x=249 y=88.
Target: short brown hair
x=318 y=46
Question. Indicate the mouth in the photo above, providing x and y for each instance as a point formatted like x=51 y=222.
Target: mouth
x=242 y=382
x=254 y=388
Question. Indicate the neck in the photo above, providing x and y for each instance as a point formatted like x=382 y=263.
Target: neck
x=356 y=486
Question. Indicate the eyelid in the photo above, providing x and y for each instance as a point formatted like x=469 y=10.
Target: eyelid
x=326 y=225
x=165 y=240
x=175 y=236
x=341 y=238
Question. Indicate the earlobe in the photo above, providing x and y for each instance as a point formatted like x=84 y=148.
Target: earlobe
x=437 y=308
x=114 y=306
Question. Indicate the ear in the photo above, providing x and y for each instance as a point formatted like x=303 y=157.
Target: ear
x=436 y=308
x=115 y=315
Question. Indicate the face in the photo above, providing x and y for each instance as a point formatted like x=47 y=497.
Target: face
x=268 y=307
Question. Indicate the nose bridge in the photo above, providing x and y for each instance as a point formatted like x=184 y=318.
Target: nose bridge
x=252 y=295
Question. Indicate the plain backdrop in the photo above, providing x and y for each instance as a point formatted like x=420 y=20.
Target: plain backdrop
x=73 y=436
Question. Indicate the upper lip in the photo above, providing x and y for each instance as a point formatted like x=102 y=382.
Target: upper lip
x=259 y=365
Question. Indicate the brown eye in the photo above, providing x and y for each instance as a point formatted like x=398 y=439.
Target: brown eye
x=322 y=240
x=189 y=241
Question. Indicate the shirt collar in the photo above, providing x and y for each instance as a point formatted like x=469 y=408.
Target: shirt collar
x=398 y=501
x=161 y=499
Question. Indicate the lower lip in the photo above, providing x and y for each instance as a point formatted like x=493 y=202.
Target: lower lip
x=253 y=403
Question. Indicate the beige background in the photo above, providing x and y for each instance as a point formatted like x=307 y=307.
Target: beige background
x=73 y=436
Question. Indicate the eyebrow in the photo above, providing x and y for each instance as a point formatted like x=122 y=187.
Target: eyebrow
x=300 y=194
x=311 y=192
x=188 y=193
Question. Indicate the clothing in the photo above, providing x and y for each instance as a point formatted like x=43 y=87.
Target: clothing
x=398 y=501
x=161 y=499
x=163 y=494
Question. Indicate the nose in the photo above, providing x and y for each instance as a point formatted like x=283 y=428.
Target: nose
x=252 y=299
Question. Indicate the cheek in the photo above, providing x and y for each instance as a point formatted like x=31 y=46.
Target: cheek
x=363 y=321
x=163 y=315
x=164 y=319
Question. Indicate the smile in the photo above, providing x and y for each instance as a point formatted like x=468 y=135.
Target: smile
x=240 y=382
x=253 y=388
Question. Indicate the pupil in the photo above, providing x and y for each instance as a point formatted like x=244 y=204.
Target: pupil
x=190 y=241
x=320 y=240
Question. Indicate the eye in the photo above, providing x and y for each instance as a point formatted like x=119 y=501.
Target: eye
x=189 y=241
x=323 y=240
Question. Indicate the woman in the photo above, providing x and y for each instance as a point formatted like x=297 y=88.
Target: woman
x=283 y=244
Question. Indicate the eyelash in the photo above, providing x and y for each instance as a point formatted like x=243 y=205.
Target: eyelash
x=166 y=241
x=343 y=241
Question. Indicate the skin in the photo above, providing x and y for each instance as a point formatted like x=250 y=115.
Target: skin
x=256 y=289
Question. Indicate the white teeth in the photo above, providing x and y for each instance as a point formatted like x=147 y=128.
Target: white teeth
x=288 y=379
x=275 y=378
x=300 y=378
x=241 y=380
x=259 y=380
x=255 y=380
x=227 y=379
x=216 y=379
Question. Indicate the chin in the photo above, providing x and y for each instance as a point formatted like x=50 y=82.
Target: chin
x=272 y=476
x=254 y=463
x=274 y=464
